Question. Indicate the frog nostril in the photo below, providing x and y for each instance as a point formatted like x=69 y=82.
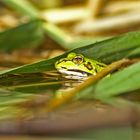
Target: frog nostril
x=88 y=66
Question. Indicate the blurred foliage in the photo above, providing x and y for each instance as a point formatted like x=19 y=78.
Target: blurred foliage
x=28 y=87
x=24 y=36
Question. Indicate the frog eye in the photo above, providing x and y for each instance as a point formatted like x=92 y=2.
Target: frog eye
x=78 y=60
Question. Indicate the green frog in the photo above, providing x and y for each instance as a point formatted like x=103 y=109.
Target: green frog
x=77 y=66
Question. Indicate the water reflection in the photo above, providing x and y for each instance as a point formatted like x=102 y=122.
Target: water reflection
x=27 y=92
x=24 y=96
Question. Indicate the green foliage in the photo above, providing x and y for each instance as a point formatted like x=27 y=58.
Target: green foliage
x=124 y=46
x=121 y=82
x=26 y=35
x=32 y=34
x=24 y=6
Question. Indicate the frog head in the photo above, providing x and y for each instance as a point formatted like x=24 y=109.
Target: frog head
x=76 y=66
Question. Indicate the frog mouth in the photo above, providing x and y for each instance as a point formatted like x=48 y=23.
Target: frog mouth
x=74 y=72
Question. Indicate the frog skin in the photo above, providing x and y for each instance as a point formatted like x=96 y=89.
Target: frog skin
x=76 y=66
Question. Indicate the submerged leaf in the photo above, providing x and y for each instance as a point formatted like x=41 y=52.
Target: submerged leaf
x=12 y=97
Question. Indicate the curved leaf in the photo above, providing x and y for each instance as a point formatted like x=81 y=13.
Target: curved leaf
x=124 y=46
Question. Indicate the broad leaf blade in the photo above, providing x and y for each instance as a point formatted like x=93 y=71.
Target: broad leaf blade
x=107 y=51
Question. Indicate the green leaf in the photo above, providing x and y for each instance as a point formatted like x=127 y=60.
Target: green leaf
x=66 y=40
x=121 y=82
x=106 y=51
x=24 y=7
x=25 y=35
x=53 y=31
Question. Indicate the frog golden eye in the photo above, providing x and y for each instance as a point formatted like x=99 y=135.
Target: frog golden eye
x=78 y=60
